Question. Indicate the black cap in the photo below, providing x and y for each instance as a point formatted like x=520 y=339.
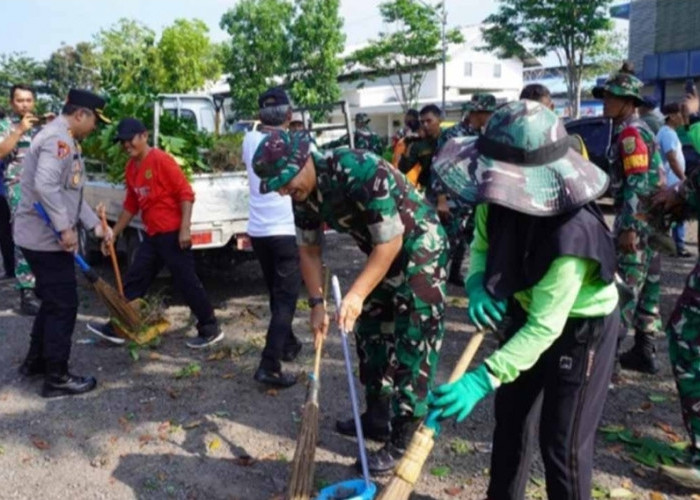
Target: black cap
x=649 y=102
x=128 y=128
x=275 y=96
x=88 y=100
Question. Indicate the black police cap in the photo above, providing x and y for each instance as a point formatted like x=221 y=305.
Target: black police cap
x=88 y=100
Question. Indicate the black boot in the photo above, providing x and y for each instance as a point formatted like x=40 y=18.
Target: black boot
x=60 y=382
x=375 y=421
x=384 y=460
x=642 y=356
x=29 y=305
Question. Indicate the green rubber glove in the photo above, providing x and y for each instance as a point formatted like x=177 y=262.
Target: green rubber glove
x=459 y=398
x=483 y=310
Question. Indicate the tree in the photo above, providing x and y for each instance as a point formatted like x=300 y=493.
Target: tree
x=186 y=56
x=128 y=56
x=570 y=28
x=317 y=39
x=20 y=68
x=259 y=49
x=406 y=54
x=72 y=67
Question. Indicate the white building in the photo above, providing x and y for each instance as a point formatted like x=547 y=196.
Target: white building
x=467 y=71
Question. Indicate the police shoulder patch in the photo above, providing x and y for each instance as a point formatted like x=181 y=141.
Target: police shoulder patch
x=63 y=150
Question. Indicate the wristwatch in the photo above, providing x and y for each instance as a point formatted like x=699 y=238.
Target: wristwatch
x=314 y=301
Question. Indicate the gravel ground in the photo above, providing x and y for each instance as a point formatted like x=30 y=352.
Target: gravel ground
x=146 y=433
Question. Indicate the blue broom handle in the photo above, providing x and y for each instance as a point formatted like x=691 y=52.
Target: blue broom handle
x=337 y=297
x=42 y=213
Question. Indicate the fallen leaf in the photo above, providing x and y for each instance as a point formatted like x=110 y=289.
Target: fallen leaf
x=657 y=398
x=145 y=439
x=646 y=405
x=612 y=429
x=228 y=375
x=40 y=443
x=454 y=491
x=193 y=424
x=214 y=444
x=616 y=448
x=222 y=413
x=113 y=440
x=222 y=353
x=172 y=393
x=69 y=433
x=639 y=472
x=441 y=471
x=2 y=450
x=244 y=461
x=655 y=495
x=621 y=493
x=161 y=476
x=272 y=392
x=626 y=483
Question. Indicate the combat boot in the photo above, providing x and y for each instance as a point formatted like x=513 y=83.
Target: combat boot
x=642 y=356
x=384 y=460
x=60 y=382
x=29 y=305
x=375 y=421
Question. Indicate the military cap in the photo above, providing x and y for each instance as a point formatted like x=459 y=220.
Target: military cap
x=622 y=84
x=523 y=161
x=88 y=100
x=483 y=102
x=280 y=157
x=362 y=118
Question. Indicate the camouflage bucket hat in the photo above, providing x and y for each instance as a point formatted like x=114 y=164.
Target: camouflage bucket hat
x=362 y=118
x=621 y=85
x=279 y=158
x=484 y=102
x=523 y=162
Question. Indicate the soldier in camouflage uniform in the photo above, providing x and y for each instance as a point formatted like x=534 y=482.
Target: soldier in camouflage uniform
x=398 y=296
x=16 y=133
x=683 y=328
x=542 y=254
x=457 y=220
x=637 y=171
x=420 y=152
x=365 y=138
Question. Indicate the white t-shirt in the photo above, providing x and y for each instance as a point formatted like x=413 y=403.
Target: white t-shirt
x=270 y=214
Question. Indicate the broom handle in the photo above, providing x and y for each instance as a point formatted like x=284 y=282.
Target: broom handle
x=467 y=356
x=112 y=253
x=326 y=286
x=45 y=217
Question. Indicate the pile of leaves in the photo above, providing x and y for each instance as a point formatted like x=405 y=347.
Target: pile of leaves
x=177 y=136
x=646 y=450
x=225 y=153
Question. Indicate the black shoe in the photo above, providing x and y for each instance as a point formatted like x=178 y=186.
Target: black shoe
x=67 y=385
x=383 y=461
x=277 y=379
x=639 y=359
x=291 y=352
x=370 y=430
x=207 y=337
x=32 y=368
x=29 y=305
x=684 y=254
x=106 y=332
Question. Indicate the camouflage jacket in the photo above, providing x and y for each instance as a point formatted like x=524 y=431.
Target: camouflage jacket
x=458 y=130
x=363 y=195
x=13 y=161
x=637 y=173
x=364 y=139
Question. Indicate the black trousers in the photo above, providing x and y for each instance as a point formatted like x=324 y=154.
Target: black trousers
x=164 y=249
x=7 y=247
x=564 y=393
x=279 y=260
x=57 y=288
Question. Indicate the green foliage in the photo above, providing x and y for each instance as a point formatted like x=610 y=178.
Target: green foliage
x=225 y=153
x=186 y=56
x=258 y=51
x=71 y=67
x=546 y=25
x=408 y=51
x=18 y=68
x=317 y=39
x=300 y=40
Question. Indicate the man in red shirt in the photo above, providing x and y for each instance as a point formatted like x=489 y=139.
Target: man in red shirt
x=156 y=187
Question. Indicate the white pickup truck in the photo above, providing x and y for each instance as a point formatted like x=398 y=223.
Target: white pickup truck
x=220 y=211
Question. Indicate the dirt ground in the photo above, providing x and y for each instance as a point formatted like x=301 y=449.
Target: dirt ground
x=157 y=428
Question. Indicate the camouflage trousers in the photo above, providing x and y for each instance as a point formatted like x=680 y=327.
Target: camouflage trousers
x=25 y=278
x=641 y=271
x=460 y=231
x=400 y=330
x=683 y=332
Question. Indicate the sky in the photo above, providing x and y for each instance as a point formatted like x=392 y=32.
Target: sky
x=38 y=27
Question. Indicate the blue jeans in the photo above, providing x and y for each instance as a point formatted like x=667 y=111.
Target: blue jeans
x=678 y=233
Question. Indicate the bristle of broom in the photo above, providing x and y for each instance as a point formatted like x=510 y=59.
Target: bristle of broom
x=409 y=468
x=303 y=465
x=118 y=306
